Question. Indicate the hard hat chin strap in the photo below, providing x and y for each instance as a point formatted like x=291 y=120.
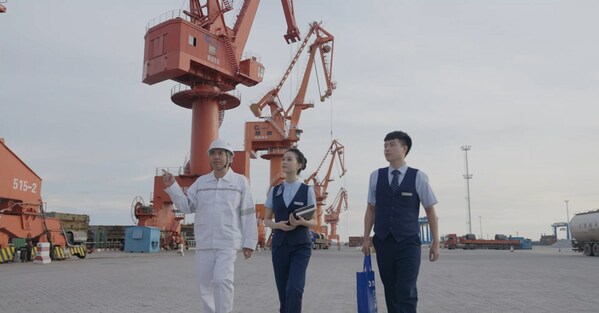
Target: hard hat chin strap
x=229 y=159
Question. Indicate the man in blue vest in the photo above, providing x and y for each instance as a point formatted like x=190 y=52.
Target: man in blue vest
x=394 y=197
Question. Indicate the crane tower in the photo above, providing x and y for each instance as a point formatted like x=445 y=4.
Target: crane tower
x=197 y=49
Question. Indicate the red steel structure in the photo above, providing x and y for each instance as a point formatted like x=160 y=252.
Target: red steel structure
x=278 y=132
x=293 y=33
x=22 y=213
x=332 y=214
x=336 y=151
x=197 y=49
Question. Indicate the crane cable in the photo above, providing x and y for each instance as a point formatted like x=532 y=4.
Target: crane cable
x=317 y=79
x=330 y=99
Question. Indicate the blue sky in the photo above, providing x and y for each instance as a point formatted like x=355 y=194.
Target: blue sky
x=516 y=80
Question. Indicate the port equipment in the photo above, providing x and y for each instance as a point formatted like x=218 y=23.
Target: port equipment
x=335 y=152
x=197 y=49
x=562 y=226
x=274 y=134
x=333 y=212
x=23 y=213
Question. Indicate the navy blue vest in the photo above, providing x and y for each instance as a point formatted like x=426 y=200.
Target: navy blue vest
x=301 y=234
x=396 y=212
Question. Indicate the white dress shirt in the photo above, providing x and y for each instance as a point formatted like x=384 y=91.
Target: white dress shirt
x=423 y=188
x=289 y=191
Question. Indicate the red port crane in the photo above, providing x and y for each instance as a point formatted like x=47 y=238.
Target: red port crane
x=336 y=151
x=278 y=132
x=197 y=49
x=332 y=214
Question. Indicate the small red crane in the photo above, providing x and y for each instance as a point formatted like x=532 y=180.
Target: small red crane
x=332 y=214
x=336 y=151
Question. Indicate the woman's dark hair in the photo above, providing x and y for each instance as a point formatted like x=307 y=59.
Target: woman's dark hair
x=299 y=156
x=402 y=137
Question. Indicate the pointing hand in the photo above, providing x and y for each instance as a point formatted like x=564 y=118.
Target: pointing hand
x=167 y=178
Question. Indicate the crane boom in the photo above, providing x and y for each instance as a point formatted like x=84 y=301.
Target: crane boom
x=321 y=43
x=269 y=98
x=321 y=185
x=273 y=135
x=285 y=121
x=335 y=150
x=245 y=18
x=333 y=212
x=293 y=33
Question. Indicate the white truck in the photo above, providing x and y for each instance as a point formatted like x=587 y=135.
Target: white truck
x=585 y=231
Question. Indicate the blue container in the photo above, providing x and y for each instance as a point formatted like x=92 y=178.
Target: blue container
x=525 y=244
x=142 y=239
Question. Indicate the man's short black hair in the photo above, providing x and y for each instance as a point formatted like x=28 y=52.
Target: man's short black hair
x=401 y=136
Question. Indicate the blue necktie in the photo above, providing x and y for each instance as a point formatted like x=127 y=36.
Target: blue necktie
x=395 y=180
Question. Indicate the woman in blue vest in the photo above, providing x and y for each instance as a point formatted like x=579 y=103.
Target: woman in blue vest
x=291 y=241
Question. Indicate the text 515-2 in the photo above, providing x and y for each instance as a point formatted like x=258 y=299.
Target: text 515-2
x=23 y=185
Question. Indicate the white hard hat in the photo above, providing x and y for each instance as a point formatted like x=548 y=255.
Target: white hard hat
x=220 y=144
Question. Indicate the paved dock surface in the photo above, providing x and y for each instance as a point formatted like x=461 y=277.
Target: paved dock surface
x=484 y=281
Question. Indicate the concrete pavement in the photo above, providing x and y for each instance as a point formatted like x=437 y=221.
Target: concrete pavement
x=483 y=281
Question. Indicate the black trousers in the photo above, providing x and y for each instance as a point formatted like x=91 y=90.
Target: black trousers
x=399 y=264
x=290 y=263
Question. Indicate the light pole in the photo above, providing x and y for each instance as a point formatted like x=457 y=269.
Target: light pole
x=480 y=220
x=467 y=177
x=567 y=220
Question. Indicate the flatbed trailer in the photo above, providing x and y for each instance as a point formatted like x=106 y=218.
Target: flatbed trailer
x=470 y=242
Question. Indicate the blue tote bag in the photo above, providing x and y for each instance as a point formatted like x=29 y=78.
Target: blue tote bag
x=365 y=287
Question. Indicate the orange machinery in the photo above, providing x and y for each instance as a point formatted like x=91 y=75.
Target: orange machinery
x=197 y=49
x=333 y=212
x=21 y=207
x=277 y=133
x=336 y=150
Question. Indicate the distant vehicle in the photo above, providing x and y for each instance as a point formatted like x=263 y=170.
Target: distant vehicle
x=319 y=241
x=501 y=242
x=585 y=231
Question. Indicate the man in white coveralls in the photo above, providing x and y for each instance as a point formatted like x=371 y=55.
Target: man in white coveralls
x=225 y=221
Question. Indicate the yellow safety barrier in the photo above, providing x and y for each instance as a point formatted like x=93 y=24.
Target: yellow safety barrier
x=80 y=250
x=58 y=253
x=7 y=254
x=3 y=256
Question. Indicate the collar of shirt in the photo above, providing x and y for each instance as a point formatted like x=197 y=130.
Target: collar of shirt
x=403 y=169
x=289 y=191
x=402 y=172
x=296 y=184
x=228 y=176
